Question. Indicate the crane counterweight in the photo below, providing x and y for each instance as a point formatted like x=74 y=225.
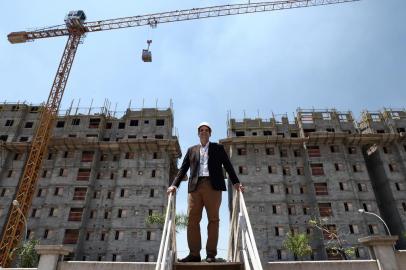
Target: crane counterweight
x=17 y=37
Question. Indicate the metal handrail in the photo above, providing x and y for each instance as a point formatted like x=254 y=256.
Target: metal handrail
x=167 y=248
x=241 y=244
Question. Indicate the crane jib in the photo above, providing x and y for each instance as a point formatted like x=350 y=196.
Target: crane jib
x=172 y=16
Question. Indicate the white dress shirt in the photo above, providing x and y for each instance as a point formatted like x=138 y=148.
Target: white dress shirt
x=204 y=158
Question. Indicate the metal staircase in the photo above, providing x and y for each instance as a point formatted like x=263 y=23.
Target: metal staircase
x=209 y=266
x=242 y=249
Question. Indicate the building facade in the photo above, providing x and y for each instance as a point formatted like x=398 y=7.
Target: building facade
x=103 y=175
x=321 y=167
x=101 y=178
x=387 y=165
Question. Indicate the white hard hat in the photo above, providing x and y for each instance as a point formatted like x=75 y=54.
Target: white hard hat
x=204 y=124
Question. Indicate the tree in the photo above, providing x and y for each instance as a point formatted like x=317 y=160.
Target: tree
x=298 y=244
x=181 y=220
x=337 y=244
x=27 y=256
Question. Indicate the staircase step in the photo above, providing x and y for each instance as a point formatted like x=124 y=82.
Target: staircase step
x=208 y=266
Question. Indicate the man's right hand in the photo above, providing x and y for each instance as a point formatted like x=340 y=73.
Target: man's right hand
x=171 y=189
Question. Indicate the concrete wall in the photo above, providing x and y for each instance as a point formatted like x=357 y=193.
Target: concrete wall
x=322 y=265
x=401 y=259
x=277 y=198
x=272 y=162
x=132 y=159
x=105 y=266
x=22 y=268
x=387 y=166
x=384 y=187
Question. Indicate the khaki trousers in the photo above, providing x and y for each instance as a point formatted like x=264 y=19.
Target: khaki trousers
x=209 y=198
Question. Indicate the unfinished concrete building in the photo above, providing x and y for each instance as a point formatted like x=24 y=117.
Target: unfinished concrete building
x=101 y=178
x=386 y=162
x=314 y=167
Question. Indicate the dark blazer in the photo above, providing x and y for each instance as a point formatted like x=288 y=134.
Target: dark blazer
x=217 y=159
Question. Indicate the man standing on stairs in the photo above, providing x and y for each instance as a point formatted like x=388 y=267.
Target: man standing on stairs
x=206 y=182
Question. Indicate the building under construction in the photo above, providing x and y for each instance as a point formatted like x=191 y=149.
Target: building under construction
x=87 y=150
x=102 y=176
x=324 y=166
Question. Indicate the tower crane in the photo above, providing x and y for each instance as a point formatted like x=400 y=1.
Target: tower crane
x=75 y=28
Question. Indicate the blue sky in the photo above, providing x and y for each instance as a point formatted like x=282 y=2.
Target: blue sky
x=348 y=56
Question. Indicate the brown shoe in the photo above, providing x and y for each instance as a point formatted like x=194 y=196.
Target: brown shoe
x=191 y=258
x=210 y=259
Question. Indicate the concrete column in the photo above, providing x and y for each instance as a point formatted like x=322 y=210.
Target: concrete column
x=49 y=255
x=381 y=248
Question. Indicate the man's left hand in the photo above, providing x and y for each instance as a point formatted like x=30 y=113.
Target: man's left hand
x=239 y=187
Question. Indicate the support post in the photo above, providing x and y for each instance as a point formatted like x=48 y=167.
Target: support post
x=49 y=255
x=381 y=248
